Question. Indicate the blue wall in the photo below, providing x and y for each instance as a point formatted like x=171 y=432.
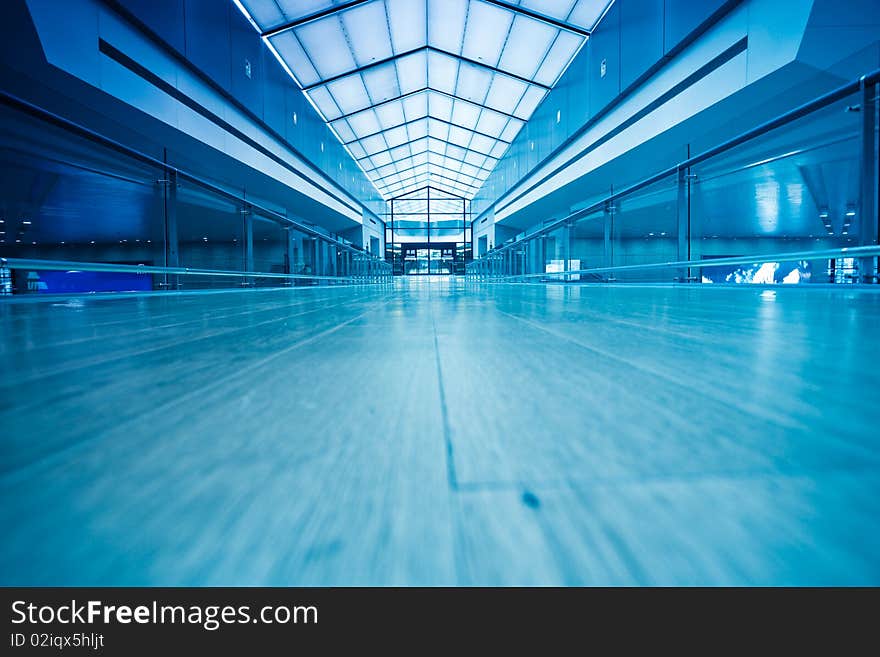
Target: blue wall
x=217 y=39
x=633 y=37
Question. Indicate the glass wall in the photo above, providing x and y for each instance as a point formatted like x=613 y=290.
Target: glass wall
x=644 y=229
x=211 y=235
x=77 y=215
x=794 y=190
x=782 y=205
x=428 y=232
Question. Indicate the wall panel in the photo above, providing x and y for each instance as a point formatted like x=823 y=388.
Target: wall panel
x=641 y=37
x=207 y=39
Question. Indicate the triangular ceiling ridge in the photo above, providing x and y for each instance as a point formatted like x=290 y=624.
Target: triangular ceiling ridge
x=435 y=105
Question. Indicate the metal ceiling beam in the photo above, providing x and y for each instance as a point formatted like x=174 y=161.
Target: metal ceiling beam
x=438 y=175
x=416 y=188
x=426 y=48
x=436 y=189
x=418 y=166
x=313 y=17
x=412 y=141
x=402 y=197
x=487 y=67
x=549 y=20
x=423 y=118
x=362 y=69
x=423 y=90
x=430 y=152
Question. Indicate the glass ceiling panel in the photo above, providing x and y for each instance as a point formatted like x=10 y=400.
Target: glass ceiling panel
x=404 y=79
x=295 y=9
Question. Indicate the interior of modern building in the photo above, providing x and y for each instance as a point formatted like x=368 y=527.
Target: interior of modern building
x=439 y=292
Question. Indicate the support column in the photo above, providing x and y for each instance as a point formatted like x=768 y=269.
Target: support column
x=291 y=254
x=320 y=258
x=566 y=249
x=683 y=224
x=248 y=226
x=868 y=211
x=608 y=255
x=541 y=255
x=172 y=245
x=329 y=260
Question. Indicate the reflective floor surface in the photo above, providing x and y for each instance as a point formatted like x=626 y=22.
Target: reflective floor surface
x=442 y=432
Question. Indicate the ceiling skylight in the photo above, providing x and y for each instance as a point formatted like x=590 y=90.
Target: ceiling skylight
x=425 y=92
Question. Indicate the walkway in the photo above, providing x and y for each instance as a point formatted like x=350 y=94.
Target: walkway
x=442 y=432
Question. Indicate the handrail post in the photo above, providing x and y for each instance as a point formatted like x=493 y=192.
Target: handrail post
x=567 y=235
x=291 y=253
x=608 y=234
x=248 y=230
x=172 y=245
x=683 y=222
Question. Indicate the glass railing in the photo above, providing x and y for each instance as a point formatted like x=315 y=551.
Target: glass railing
x=791 y=201
x=80 y=213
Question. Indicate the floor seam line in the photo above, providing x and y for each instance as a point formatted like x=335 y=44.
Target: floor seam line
x=451 y=476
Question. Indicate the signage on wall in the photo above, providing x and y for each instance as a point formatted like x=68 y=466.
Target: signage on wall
x=247 y=68
x=603 y=68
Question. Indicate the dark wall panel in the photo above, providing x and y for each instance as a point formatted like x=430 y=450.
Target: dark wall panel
x=604 y=72
x=577 y=95
x=207 y=39
x=294 y=104
x=276 y=80
x=684 y=16
x=164 y=17
x=641 y=37
x=246 y=70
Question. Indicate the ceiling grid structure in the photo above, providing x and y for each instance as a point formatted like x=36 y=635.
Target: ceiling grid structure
x=425 y=92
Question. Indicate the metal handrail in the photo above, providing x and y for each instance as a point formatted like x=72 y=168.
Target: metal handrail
x=92 y=135
x=73 y=266
x=787 y=117
x=843 y=252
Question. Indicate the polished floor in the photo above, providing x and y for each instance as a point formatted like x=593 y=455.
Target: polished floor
x=442 y=432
